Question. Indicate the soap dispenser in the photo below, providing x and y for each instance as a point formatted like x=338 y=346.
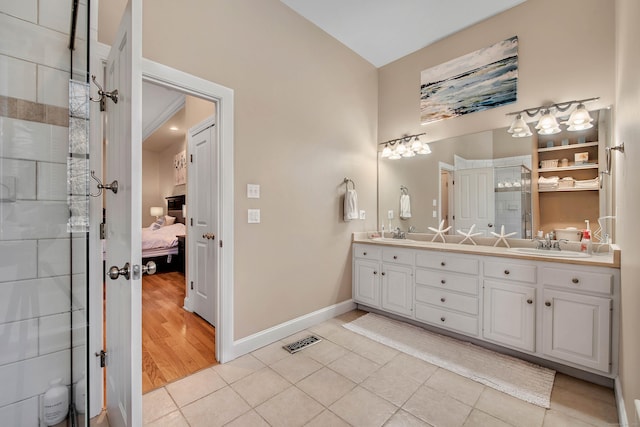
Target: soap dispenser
x=585 y=243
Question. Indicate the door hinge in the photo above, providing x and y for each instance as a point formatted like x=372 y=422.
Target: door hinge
x=191 y=221
x=220 y=243
x=103 y=228
x=191 y=158
x=192 y=284
x=103 y=358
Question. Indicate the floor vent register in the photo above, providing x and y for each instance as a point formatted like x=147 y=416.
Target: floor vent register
x=295 y=347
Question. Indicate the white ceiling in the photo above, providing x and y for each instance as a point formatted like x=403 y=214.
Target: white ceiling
x=161 y=110
x=382 y=31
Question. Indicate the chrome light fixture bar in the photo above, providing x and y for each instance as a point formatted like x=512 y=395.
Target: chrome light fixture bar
x=548 y=123
x=407 y=146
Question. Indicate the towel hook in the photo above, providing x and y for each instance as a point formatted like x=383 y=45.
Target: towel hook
x=347 y=181
x=113 y=186
x=113 y=95
x=404 y=190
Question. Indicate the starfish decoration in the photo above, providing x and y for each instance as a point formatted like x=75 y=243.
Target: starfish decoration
x=440 y=231
x=469 y=235
x=502 y=237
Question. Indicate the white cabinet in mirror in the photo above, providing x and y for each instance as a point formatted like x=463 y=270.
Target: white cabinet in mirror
x=491 y=179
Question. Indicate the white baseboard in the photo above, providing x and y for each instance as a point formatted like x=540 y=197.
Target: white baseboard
x=622 y=411
x=187 y=305
x=283 y=330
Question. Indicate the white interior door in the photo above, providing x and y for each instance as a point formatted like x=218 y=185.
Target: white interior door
x=474 y=200
x=203 y=234
x=123 y=222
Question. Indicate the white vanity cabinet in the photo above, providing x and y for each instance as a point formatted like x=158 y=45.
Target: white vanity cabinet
x=447 y=291
x=383 y=278
x=554 y=310
x=577 y=316
x=509 y=291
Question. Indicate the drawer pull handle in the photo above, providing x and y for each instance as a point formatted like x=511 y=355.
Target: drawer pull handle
x=364 y=253
x=575 y=280
x=395 y=257
x=442 y=319
x=443 y=281
x=506 y=272
x=529 y=301
x=443 y=263
x=547 y=303
x=443 y=299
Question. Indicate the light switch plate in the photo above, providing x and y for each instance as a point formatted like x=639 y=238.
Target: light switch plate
x=435 y=203
x=435 y=214
x=253 y=216
x=390 y=214
x=363 y=214
x=253 y=191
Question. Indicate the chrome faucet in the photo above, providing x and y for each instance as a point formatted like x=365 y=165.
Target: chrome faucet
x=548 y=244
x=397 y=234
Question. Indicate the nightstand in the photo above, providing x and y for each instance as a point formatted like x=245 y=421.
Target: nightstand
x=182 y=242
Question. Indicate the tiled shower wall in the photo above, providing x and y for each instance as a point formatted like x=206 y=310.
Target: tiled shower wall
x=38 y=271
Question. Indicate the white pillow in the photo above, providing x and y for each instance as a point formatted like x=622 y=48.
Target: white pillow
x=158 y=224
x=169 y=220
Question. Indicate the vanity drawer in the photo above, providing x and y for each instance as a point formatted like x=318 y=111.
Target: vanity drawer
x=446 y=262
x=450 y=300
x=504 y=270
x=601 y=283
x=399 y=256
x=367 y=252
x=444 y=280
x=447 y=319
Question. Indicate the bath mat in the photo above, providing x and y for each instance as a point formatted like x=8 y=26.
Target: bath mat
x=520 y=379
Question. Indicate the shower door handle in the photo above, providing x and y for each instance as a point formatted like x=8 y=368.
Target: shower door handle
x=115 y=272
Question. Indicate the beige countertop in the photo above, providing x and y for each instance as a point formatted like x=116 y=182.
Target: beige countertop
x=603 y=258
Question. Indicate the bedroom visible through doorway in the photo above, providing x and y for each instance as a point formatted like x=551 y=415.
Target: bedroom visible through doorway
x=175 y=341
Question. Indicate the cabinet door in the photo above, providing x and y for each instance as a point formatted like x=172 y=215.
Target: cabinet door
x=366 y=283
x=397 y=289
x=509 y=314
x=577 y=328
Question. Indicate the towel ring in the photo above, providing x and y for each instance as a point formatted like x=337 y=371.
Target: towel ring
x=347 y=181
x=404 y=190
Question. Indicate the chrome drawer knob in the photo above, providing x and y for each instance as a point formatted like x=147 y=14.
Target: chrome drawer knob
x=375 y=272
x=575 y=280
x=443 y=281
x=529 y=301
x=383 y=273
x=395 y=257
x=506 y=272
x=547 y=303
x=442 y=299
x=442 y=319
x=364 y=253
x=443 y=263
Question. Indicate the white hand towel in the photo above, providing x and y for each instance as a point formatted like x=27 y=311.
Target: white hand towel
x=350 y=205
x=405 y=206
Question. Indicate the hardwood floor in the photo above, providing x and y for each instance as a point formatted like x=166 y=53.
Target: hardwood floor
x=175 y=343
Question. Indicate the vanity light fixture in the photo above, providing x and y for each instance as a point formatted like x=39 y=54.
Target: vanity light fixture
x=407 y=146
x=548 y=123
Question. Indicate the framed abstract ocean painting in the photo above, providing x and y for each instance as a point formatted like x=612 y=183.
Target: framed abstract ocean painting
x=477 y=81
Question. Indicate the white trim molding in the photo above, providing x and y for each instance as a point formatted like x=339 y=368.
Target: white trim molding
x=283 y=330
x=623 y=421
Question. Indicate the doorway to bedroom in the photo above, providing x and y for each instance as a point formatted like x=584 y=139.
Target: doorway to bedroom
x=175 y=342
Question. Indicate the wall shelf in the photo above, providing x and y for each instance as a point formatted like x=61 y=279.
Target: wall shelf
x=570 y=168
x=568 y=147
x=559 y=190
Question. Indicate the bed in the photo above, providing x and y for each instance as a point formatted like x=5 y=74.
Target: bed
x=160 y=244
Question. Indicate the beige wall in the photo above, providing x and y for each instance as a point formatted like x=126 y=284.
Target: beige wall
x=305 y=117
x=150 y=185
x=628 y=177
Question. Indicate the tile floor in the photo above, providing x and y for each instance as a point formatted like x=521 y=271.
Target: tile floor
x=347 y=379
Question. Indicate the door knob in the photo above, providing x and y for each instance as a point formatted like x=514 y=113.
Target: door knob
x=115 y=272
x=490 y=225
x=208 y=236
x=149 y=268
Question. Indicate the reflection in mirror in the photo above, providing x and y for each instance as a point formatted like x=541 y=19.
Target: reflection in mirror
x=491 y=179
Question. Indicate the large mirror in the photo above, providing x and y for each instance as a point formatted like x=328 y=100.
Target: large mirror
x=491 y=179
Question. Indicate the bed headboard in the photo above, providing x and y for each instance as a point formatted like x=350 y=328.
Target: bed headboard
x=174 y=207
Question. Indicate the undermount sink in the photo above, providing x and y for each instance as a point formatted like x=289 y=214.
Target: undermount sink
x=391 y=239
x=550 y=253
